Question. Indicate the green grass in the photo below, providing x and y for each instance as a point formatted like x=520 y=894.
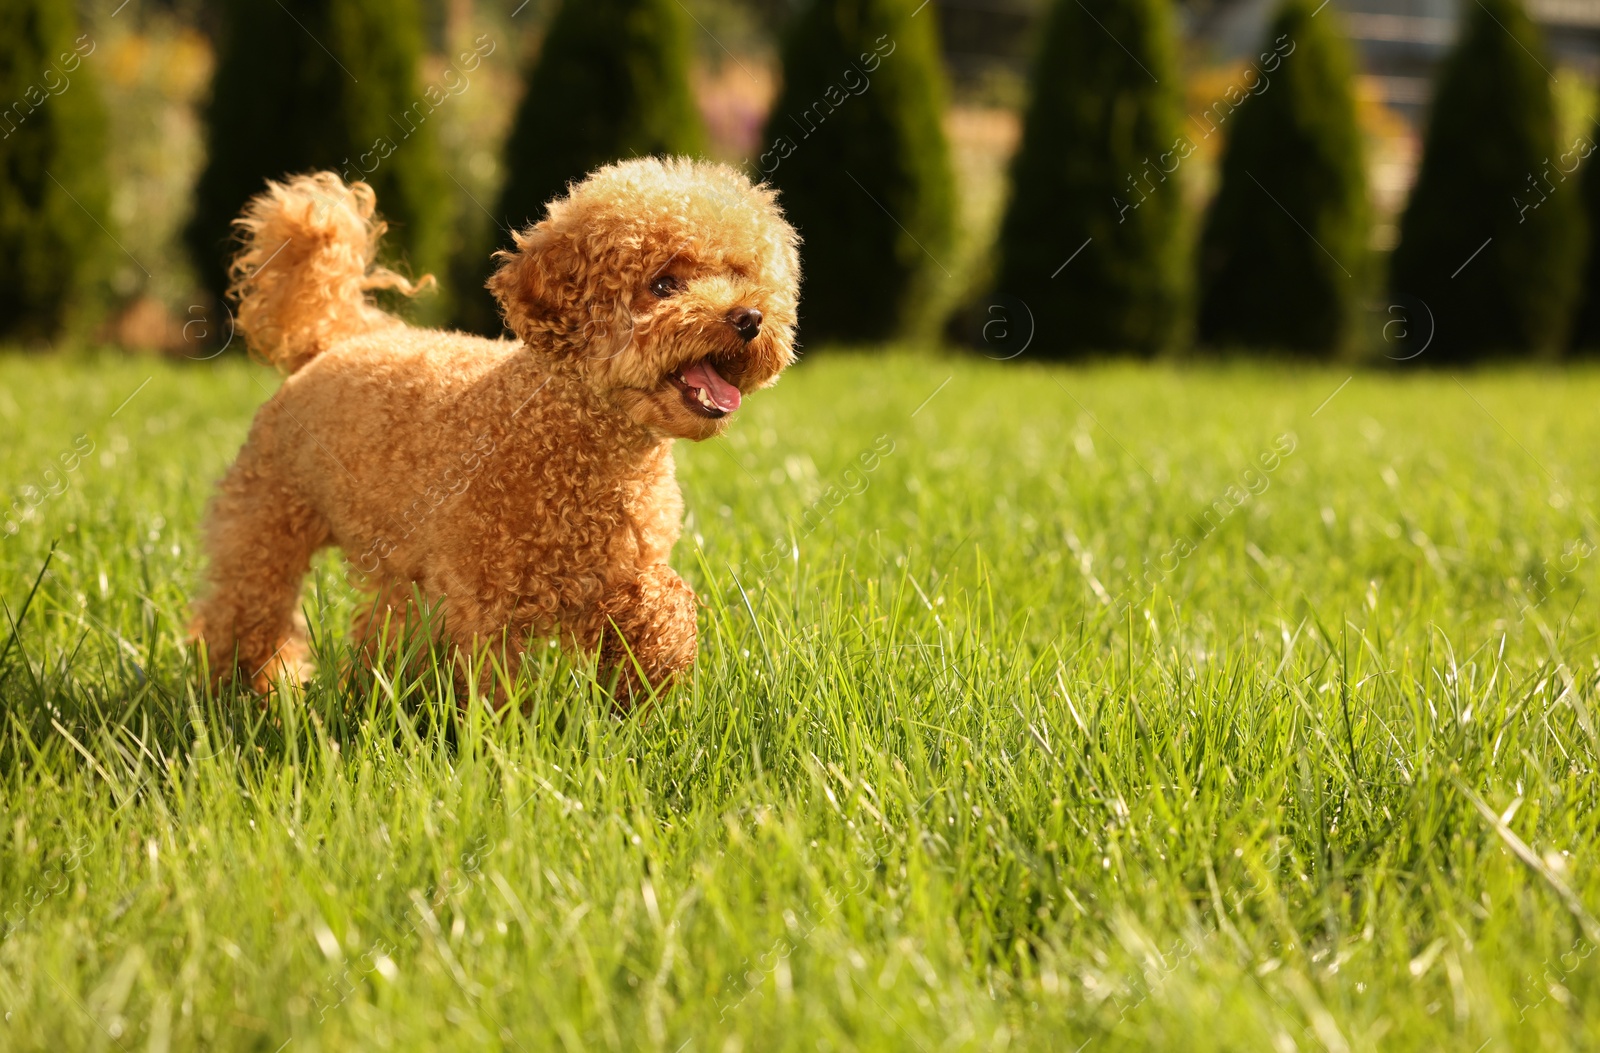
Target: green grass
x=948 y=775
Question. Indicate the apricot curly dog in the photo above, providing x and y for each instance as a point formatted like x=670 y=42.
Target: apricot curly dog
x=524 y=487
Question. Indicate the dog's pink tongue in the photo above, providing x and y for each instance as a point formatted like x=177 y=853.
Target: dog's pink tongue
x=723 y=394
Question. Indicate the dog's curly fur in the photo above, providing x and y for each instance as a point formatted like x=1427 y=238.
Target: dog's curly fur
x=526 y=487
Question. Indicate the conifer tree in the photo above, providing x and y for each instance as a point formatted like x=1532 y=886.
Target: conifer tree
x=609 y=81
x=1096 y=180
x=1281 y=257
x=1585 y=335
x=53 y=189
x=856 y=147
x=324 y=84
x=1490 y=238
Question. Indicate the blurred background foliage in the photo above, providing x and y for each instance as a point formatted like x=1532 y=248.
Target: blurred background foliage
x=610 y=79
x=200 y=100
x=1094 y=239
x=1493 y=191
x=354 y=102
x=856 y=146
x=1295 y=159
x=53 y=180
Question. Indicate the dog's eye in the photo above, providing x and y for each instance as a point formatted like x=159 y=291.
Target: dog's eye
x=666 y=285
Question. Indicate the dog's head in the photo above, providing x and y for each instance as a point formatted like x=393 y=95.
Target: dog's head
x=671 y=286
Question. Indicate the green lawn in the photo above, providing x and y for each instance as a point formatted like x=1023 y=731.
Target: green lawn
x=1010 y=747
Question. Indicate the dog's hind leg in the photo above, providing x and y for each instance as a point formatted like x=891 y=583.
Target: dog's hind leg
x=259 y=537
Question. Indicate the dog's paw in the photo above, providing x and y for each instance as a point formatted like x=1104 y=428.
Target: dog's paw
x=290 y=666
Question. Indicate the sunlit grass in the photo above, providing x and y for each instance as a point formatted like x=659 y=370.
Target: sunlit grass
x=958 y=767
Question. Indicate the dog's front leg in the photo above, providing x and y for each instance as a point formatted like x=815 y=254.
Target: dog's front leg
x=643 y=625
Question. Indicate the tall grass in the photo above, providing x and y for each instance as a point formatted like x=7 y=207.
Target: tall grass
x=951 y=773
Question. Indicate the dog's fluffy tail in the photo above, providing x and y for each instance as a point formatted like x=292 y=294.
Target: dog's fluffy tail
x=308 y=261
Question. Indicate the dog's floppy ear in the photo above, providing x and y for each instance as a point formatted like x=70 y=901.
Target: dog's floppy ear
x=535 y=286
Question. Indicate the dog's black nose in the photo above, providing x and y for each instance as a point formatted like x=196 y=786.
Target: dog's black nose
x=747 y=320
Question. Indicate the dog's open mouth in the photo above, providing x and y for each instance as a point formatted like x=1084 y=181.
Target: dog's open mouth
x=704 y=390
